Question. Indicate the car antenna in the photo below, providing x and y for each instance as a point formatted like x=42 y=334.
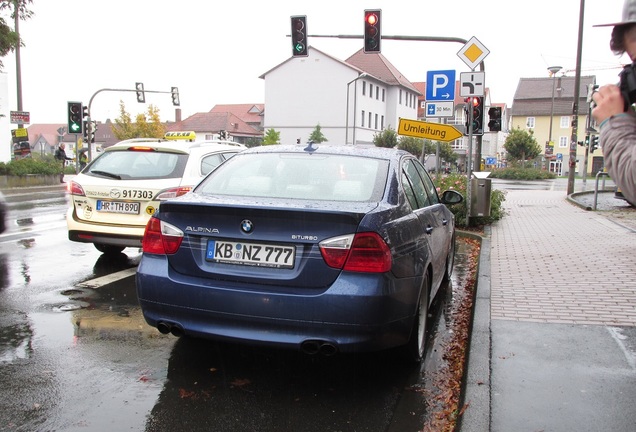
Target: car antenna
x=310 y=147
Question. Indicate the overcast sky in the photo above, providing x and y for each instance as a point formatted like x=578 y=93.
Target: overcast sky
x=215 y=51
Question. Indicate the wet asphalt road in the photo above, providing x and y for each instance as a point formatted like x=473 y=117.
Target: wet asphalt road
x=76 y=355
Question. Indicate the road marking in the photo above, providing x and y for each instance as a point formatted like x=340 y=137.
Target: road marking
x=108 y=279
x=615 y=332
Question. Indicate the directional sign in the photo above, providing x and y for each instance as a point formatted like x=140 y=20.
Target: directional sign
x=433 y=131
x=472 y=84
x=473 y=53
x=440 y=109
x=440 y=85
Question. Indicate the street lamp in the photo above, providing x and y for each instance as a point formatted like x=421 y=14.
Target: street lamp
x=355 y=99
x=553 y=71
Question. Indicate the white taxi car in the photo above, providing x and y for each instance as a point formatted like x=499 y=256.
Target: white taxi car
x=112 y=199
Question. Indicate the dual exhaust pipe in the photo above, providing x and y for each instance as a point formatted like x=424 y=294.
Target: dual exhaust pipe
x=174 y=329
x=313 y=347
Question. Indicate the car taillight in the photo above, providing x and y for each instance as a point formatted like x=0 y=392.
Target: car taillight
x=362 y=252
x=161 y=238
x=74 y=189
x=173 y=192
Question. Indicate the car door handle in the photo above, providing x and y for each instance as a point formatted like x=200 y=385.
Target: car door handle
x=429 y=229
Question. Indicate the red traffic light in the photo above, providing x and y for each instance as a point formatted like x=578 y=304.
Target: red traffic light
x=372 y=32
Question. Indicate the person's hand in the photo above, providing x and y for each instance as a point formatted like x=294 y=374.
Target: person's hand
x=609 y=102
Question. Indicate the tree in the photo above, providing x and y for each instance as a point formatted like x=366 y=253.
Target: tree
x=10 y=39
x=522 y=145
x=144 y=127
x=271 y=137
x=411 y=144
x=317 y=136
x=387 y=138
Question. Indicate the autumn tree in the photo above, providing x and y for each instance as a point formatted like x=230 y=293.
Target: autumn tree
x=521 y=145
x=146 y=125
x=317 y=136
x=271 y=137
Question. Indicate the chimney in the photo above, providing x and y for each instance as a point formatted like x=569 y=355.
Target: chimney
x=177 y=114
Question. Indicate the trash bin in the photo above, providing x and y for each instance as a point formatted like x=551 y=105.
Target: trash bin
x=480 y=190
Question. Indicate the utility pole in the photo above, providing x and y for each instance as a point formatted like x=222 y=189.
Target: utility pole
x=575 y=105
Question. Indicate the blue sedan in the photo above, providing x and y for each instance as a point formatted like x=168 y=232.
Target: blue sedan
x=325 y=249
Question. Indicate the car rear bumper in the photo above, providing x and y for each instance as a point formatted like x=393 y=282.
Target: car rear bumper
x=348 y=315
x=90 y=232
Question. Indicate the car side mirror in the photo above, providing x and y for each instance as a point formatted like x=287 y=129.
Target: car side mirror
x=450 y=197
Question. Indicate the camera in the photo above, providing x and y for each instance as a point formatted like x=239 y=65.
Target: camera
x=627 y=85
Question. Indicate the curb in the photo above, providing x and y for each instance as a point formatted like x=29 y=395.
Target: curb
x=476 y=384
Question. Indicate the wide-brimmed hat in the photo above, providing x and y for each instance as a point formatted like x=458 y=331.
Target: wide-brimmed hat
x=629 y=15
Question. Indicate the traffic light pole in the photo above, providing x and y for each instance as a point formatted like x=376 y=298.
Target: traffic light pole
x=90 y=102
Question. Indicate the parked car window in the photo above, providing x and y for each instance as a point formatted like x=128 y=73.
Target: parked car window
x=415 y=180
x=209 y=163
x=301 y=176
x=428 y=184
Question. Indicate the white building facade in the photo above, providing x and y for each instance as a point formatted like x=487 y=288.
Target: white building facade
x=351 y=100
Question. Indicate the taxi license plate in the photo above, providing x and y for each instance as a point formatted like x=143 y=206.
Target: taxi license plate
x=251 y=254
x=118 y=207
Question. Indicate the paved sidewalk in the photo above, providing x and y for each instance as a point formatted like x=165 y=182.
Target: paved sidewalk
x=554 y=337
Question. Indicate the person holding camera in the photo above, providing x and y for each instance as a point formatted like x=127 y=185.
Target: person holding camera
x=613 y=110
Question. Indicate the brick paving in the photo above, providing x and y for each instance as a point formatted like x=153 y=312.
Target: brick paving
x=554 y=262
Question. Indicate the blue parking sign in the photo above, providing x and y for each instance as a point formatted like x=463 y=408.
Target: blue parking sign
x=440 y=85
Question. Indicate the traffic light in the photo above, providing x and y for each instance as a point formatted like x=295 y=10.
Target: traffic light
x=587 y=140
x=299 y=36
x=74 y=112
x=594 y=144
x=141 y=96
x=494 y=119
x=372 y=30
x=175 y=96
x=478 y=115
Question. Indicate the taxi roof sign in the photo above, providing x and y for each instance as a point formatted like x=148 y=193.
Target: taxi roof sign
x=181 y=135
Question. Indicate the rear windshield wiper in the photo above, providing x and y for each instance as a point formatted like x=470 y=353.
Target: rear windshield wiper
x=106 y=174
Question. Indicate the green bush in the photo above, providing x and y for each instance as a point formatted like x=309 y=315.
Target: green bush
x=43 y=166
x=458 y=182
x=522 y=174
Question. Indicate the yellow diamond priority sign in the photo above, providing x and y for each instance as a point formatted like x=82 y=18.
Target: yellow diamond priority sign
x=473 y=52
x=432 y=131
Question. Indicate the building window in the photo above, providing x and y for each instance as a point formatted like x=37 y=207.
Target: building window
x=376 y=121
x=382 y=123
x=364 y=88
x=377 y=92
x=563 y=142
x=369 y=120
x=362 y=125
x=383 y=90
x=400 y=101
x=530 y=122
x=370 y=90
x=565 y=122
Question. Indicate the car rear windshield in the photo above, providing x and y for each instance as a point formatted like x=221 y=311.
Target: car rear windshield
x=138 y=165
x=299 y=176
